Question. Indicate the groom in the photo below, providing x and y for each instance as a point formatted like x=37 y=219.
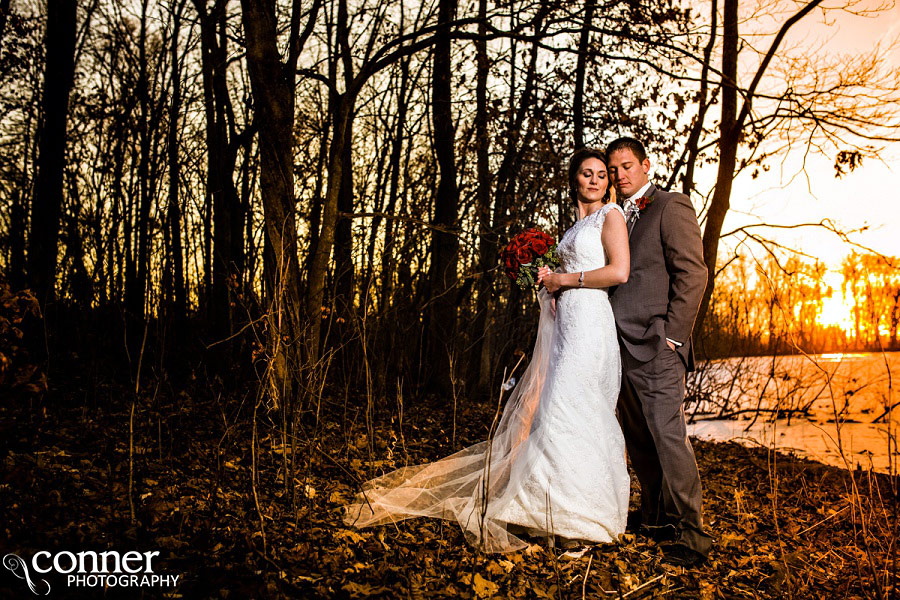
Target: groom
x=655 y=311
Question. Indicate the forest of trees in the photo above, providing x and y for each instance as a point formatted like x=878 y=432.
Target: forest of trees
x=777 y=306
x=293 y=191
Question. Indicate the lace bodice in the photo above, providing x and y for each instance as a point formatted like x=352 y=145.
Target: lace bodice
x=581 y=248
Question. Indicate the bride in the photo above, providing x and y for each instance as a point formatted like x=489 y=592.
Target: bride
x=555 y=465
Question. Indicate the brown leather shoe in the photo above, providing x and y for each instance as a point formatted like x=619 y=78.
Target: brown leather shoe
x=661 y=533
x=633 y=523
x=681 y=555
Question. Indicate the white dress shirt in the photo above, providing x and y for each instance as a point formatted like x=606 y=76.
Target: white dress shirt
x=637 y=195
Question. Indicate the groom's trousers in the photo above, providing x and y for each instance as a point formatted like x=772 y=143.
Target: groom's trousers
x=651 y=411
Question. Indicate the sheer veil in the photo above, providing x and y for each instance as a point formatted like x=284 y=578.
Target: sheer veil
x=472 y=486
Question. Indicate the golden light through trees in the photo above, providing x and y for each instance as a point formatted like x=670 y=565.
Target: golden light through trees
x=836 y=307
x=179 y=206
x=787 y=303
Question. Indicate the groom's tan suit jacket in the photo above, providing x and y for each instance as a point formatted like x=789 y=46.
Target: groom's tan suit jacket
x=668 y=276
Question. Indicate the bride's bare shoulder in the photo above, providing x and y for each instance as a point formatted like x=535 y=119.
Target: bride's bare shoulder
x=612 y=208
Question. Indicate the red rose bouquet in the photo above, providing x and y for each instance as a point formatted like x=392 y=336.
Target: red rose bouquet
x=526 y=253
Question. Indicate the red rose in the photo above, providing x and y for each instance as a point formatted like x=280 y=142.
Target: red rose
x=523 y=255
x=523 y=248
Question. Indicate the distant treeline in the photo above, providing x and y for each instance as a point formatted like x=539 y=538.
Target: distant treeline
x=777 y=307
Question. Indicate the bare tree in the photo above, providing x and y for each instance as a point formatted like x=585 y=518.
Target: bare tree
x=580 y=72
x=482 y=348
x=59 y=76
x=174 y=290
x=444 y=245
x=223 y=144
x=272 y=79
x=731 y=126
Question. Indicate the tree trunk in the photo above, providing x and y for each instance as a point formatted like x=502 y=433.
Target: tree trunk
x=221 y=193
x=730 y=129
x=368 y=291
x=487 y=242
x=272 y=84
x=895 y=319
x=728 y=145
x=59 y=73
x=175 y=265
x=315 y=211
x=119 y=250
x=580 y=68
x=444 y=246
x=248 y=173
x=80 y=284
x=17 y=223
x=315 y=298
x=387 y=256
x=343 y=241
x=18 y=216
x=503 y=193
x=137 y=294
x=4 y=15
x=691 y=149
x=220 y=188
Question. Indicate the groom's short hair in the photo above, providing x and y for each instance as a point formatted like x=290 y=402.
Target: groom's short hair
x=628 y=143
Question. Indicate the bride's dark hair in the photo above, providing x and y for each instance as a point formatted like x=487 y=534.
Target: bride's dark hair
x=581 y=155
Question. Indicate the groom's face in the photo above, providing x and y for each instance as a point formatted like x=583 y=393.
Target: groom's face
x=627 y=172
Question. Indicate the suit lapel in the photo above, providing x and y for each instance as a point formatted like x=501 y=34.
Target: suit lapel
x=631 y=221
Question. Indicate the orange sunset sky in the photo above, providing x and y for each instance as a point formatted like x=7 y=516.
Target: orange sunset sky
x=789 y=194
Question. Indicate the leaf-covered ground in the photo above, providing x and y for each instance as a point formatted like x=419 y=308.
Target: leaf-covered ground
x=784 y=527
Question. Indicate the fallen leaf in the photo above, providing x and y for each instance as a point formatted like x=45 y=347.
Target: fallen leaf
x=349 y=534
x=358 y=590
x=731 y=539
x=484 y=588
x=549 y=593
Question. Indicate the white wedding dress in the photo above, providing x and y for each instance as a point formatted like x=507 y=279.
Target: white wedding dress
x=556 y=462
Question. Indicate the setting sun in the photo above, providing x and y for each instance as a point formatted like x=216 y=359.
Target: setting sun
x=837 y=309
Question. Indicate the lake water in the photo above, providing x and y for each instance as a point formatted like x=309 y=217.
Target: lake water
x=839 y=409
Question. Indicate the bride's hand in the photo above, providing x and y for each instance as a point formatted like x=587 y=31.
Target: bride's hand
x=550 y=279
x=553 y=307
x=542 y=272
